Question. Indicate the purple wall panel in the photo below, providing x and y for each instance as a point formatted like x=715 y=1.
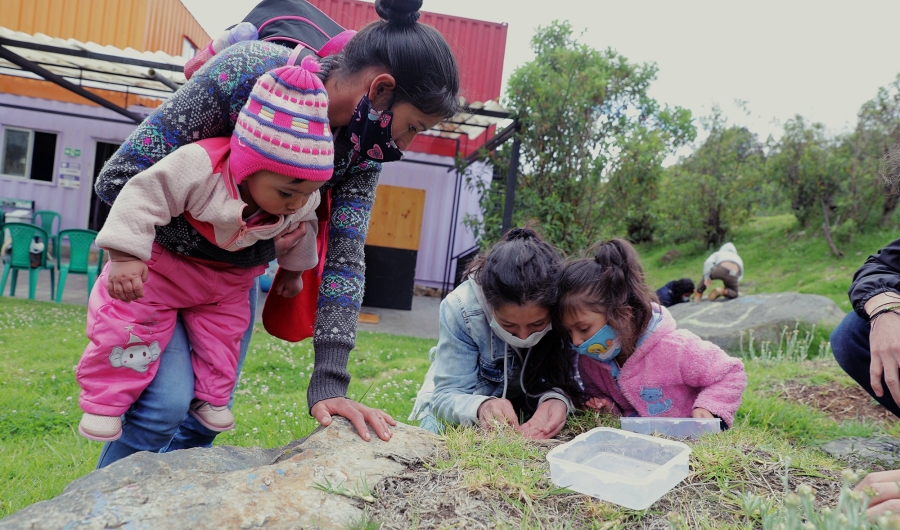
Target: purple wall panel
x=73 y=133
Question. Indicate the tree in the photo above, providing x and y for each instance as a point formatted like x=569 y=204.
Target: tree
x=592 y=143
x=877 y=130
x=808 y=165
x=715 y=189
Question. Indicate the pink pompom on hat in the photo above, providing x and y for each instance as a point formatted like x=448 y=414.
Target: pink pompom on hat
x=284 y=128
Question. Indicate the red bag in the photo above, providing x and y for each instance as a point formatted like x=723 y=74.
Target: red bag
x=294 y=319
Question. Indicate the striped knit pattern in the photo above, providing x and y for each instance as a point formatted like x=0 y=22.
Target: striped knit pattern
x=208 y=106
x=284 y=128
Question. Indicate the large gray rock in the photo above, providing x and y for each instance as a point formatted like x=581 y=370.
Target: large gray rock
x=231 y=487
x=723 y=321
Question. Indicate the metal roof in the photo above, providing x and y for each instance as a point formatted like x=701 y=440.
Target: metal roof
x=474 y=120
x=77 y=65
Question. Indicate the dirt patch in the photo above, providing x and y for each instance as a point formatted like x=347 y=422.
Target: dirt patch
x=839 y=401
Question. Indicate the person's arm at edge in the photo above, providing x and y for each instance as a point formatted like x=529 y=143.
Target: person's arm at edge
x=456 y=369
x=877 y=282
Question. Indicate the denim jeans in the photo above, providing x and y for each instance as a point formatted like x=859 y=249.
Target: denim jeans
x=850 y=343
x=159 y=420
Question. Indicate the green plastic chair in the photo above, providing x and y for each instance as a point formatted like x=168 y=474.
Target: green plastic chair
x=21 y=235
x=80 y=243
x=47 y=219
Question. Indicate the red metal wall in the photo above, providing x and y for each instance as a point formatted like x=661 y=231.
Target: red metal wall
x=479 y=48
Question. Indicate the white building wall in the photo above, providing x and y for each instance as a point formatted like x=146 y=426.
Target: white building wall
x=438 y=183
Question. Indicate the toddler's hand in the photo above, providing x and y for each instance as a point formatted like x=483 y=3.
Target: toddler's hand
x=600 y=404
x=701 y=413
x=126 y=279
x=288 y=283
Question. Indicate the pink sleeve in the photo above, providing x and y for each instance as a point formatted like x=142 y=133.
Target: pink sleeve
x=720 y=376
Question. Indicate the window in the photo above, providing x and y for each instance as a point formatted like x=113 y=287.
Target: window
x=188 y=49
x=27 y=154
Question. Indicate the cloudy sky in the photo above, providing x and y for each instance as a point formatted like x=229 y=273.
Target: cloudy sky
x=820 y=59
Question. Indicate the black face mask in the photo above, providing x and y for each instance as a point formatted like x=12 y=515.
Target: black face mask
x=370 y=132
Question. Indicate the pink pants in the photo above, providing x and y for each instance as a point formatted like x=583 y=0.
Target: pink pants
x=128 y=338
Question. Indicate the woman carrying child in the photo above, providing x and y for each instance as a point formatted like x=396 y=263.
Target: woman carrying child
x=261 y=182
x=498 y=355
x=632 y=360
x=396 y=70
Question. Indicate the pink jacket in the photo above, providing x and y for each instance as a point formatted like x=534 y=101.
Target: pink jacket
x=670 y=374
x=194 y=181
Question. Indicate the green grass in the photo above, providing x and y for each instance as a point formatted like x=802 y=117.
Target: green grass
x=41 y=342
x=778 y=255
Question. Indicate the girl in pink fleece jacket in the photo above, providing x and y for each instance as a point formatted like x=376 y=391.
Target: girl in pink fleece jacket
x=632 y=360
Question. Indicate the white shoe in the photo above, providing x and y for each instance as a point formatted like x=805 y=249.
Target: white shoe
x=100 y=428
x=212 y=417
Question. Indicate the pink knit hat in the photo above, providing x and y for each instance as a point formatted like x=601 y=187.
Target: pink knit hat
x=283 y=128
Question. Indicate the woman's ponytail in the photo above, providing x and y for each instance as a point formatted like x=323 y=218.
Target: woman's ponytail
x=519 y=269
x=415 y=54
x=399 y=12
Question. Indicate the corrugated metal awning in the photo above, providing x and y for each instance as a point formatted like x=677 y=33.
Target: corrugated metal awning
x=77 y=65
x=475 y=119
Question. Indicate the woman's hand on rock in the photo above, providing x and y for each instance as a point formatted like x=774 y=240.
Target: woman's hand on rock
x=359 y=415
x=547 y=421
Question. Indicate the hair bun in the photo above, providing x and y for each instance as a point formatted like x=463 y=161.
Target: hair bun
x=520 y=233
x=400 y=12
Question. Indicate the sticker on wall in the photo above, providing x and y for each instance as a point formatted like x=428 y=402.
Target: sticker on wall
x=70 y=151
x=70 y=174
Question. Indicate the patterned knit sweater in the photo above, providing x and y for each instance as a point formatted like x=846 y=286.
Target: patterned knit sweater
x=207 y=106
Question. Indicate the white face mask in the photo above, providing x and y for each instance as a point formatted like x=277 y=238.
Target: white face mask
x=516 y=342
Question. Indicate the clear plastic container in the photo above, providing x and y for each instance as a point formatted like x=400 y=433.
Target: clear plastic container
x=674 y=427
x=624 y=468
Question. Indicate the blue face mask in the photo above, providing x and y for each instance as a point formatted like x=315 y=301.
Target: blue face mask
x=603 y=346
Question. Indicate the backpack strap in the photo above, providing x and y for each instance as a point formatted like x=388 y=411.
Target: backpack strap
x=298 y=54
x=333 y=46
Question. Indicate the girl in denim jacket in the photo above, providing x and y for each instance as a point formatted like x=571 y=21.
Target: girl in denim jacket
x=497 y=354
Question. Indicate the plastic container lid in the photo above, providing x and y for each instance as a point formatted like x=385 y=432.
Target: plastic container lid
x=674 y=427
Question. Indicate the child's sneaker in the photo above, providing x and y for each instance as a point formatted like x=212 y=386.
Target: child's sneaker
x=100 y=428
x=213 y=418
